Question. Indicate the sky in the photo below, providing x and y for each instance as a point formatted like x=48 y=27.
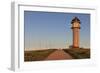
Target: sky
x=53 y=29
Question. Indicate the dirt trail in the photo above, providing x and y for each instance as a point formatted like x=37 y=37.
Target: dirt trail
x=59 y=55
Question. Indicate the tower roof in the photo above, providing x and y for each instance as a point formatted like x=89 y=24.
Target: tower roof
x=75 y=19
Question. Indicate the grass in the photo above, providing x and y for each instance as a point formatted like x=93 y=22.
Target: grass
x=37 y=55
x=40 y=55
x=78 y=53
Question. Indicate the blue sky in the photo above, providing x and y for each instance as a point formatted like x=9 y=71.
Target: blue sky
x=53 y=30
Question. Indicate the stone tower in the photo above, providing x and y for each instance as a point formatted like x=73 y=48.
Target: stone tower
x=76 y=30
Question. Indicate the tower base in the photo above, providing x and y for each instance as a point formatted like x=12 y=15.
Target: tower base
x=75 y=47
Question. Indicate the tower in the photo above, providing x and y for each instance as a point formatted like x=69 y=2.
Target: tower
x=76 y=29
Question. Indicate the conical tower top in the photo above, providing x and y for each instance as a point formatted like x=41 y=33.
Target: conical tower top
x=75 y=19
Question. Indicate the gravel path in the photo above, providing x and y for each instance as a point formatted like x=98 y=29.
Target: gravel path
x=59 y=55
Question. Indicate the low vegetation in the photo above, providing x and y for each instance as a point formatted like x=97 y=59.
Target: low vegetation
x=78 y=53
x=40 y=55
x=37 y=55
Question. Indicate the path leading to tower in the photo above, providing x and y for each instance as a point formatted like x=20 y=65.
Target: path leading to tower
x=59 y=55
